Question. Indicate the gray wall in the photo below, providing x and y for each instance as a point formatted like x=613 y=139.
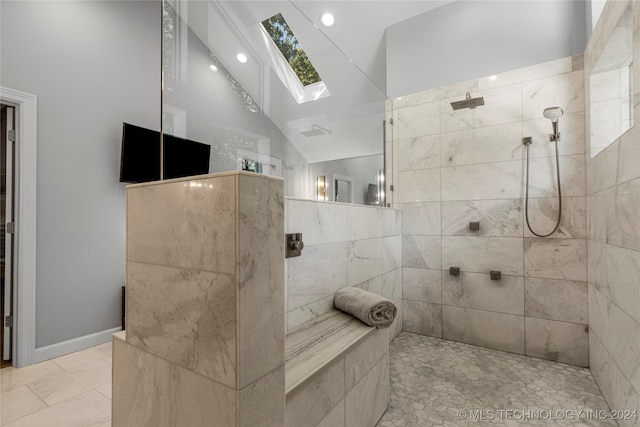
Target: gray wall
x=92 y=65
x=465 y=40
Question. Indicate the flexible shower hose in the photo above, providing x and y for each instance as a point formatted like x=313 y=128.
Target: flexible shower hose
x=526 y=203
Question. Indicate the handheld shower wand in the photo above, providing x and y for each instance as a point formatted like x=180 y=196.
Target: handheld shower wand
x=553 y=114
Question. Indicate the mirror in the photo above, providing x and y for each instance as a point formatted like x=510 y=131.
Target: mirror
x=228 y=83
x=611 y=87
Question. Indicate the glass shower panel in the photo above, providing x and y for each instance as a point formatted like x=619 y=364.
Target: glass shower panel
x=227 y=85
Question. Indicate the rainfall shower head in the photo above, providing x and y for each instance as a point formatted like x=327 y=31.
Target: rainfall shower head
x=553 y=114
x=468 y=103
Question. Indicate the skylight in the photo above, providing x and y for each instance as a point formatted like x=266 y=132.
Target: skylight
x=286 y=41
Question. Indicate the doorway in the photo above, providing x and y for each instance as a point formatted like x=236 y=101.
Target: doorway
x=7 y=162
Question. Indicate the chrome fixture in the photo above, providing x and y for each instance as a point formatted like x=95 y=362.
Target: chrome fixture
x=469 y=102
x=293 y=245
x=553 y=114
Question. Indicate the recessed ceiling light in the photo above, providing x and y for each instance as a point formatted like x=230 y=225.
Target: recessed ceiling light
x=327 y=19
x=492 y=78
x=242 y=58
x=213 y=67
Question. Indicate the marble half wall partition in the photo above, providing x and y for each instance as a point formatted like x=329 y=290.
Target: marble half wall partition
x=450 y=168
x=204 y=343
x=613 y=226
x=345 y=245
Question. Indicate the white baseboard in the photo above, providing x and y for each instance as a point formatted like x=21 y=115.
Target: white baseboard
x=60 y=349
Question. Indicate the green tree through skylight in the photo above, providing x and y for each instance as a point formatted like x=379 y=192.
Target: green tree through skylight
x=287 y=43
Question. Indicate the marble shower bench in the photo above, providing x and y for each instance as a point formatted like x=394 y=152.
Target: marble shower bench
x=336 y=372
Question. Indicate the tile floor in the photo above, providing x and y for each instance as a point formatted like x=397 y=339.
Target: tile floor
x=433 y=379
x=69 y=391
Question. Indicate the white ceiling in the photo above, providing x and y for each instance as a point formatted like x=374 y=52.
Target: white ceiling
x=350 y=57
x=360 y=26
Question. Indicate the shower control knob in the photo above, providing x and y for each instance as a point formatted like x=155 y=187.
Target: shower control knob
x=296 y=245
x=293 y=245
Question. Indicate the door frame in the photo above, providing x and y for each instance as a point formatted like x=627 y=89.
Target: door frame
x=25 y=175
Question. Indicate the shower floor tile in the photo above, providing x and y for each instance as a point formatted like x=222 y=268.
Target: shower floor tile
x=436 y=382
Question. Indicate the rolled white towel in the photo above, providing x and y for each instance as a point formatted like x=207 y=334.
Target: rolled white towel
x=372 y=309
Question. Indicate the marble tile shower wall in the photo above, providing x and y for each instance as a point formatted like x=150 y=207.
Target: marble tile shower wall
x=453 y=167
x=345 y=245
x=613 y=206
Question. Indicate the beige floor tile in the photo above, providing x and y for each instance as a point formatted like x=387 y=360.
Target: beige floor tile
x=83 y=357
x=90 y=409
x=17 y=403
x=15 y=377
x=59 y=387
x=105 y=389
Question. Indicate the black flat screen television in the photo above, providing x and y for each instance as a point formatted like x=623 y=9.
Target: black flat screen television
x=183 y=157
x=140 y=156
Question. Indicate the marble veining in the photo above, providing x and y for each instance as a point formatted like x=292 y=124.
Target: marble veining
x=500 y=180
x=421 y=251
x=598 y=314
x=260 y=277
x=421 y=218
x=552 y=299
x=557 y=341
x=184 y=326
x=419 y=284
x=572 y=139
x=307 y=312
x=543 y=215
x=556 y=258
x=201 y=347
x=484 y=328
x=365 y=260
x=542 y=179
x=483 y=254
x=170 y=224
x=318 y=342
x=367 y=401
x=565 y=90
x=624 y=344
x=623 y=274
x=412 y=122
x=319 y=273
x=319 y=223
x=422 y=318
x=623 y=229
x=483 y=145
x=477 y=290
x=421 y=185
x=498 y=218
x=419 y=153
